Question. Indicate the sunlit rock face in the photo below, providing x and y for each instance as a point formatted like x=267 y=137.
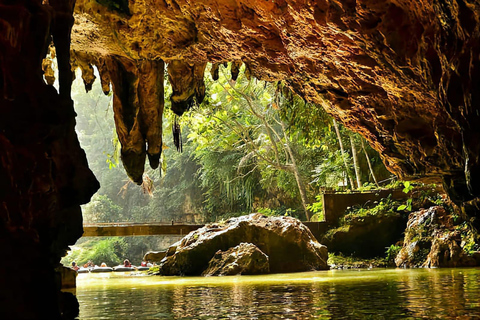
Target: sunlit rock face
x=44 y=176
x=433 y=239
x=245 y=258
x=216 y=248
x=404 y=74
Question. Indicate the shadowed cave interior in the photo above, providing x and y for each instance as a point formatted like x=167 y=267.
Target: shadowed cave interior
x=405 y=75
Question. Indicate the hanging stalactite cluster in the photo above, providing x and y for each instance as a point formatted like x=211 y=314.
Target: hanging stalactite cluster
x=402 y=74
x=138 y=100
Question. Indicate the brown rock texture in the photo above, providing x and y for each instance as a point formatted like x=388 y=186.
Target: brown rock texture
x=446 y=252
x=245 y=258
x=405 y=74
x=289 y=245
x=154 y=256
x=431 y=240
x=44 y=176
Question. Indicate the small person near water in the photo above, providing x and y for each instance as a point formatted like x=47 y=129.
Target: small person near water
x=74 y=266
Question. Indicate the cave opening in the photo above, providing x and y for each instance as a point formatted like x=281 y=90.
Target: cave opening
x=404 y=76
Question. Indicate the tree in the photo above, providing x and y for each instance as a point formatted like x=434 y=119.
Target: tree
x=251 y=125
x=356 y=166
x=339 y=137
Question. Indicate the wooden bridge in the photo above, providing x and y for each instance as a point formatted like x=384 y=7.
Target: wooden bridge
x=148 y=229
x=136 y=229
x=334 y=206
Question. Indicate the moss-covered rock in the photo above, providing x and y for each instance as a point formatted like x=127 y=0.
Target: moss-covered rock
x=366 y=233
x=434 y=238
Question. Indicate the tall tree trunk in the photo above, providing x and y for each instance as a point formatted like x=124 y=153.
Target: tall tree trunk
x=296 y=173
x=355 y=162
x=369 y=164
x=335 y=124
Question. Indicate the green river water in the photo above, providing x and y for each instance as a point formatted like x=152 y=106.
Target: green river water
x=334 y=294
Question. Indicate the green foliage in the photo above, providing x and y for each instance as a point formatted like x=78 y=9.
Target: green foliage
x=330 y=171
x=407 y=206
x=470 y=236
x=340 y=261
x=317 y=209
x=385 y=206
x=286 y=212
x=234 y=159
x=266 y=211
x=368 y=186
x=101 y=209
x=392 y=253
x=407 y=187
x=109 y=250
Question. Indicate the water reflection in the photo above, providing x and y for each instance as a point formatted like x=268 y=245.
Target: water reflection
x=381 y=294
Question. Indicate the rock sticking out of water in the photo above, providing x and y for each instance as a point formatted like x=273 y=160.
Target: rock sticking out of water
x=288 y=244
x=245 y=258
x=432 y=240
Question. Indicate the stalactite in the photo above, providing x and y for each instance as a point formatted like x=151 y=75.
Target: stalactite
x=235 y=69
x=61 y=34
x=248 y=72
x=138 y=102
x=151 y=101
x=126 y=114
x=104 y=75
x=47 y=68
x=187 y=83
x=214 y=71
x=84 y=62
x=199 y=81
x=177 y=135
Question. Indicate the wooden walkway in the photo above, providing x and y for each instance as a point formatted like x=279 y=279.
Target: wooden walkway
x=149 y=229
x=137 y=229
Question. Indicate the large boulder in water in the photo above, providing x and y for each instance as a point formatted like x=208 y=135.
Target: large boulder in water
x=289 y=245
x=245 y=258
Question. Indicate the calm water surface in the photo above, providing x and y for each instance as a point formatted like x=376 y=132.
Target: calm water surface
x=365 y=294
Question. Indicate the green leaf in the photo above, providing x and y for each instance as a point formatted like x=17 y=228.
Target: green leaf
x=402 y=207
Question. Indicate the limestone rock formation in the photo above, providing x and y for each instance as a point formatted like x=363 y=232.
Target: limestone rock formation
x=245 y=258
x=44 y=175
x=154 y=256
x=431 y=240
x=447 y=252
x=289 y=245
x=404 y=74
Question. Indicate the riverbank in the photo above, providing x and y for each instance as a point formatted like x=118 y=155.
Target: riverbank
x=338 y=261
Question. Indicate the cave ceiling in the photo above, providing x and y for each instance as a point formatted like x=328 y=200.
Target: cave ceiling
x=405 y=74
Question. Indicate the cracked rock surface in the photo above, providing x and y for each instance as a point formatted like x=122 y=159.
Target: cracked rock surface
x=405 y=74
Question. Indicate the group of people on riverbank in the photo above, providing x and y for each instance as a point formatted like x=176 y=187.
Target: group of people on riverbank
x=126 y=264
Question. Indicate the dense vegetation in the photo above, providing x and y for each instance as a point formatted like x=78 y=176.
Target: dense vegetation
x=250 y=146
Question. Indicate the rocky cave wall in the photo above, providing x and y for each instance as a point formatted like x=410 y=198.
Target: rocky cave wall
x=405 y=74
x=44 y=175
